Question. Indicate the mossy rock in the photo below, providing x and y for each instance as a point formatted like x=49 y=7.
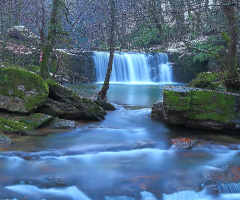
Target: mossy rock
x=211 y=105
x=21 y=91
x=13 y=126
x=37 y=120
x=178 y=101
x=67 y=104
x=209 y=80
x=199 y=108
x=105 y=105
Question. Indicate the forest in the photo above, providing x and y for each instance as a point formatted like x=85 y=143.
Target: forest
x=204 y=29
x=119 y=99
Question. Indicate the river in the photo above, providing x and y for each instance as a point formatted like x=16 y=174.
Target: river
x=127 y=156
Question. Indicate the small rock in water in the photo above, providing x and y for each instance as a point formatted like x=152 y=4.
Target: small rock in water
x=183 y=143
x=4 y=140
x=96 y=126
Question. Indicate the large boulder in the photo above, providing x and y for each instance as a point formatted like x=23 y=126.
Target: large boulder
x=67 y=104
x=199 y=108
x=21 y=91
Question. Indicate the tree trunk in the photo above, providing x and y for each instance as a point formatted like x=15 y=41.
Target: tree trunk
x=232 y=43
x=44 y=73
x=103 y=93
x=18 y=13
x=47 y=49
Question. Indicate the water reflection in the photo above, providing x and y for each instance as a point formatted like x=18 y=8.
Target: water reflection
x=142 y=95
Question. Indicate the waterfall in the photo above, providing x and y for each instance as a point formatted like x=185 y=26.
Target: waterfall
x=185 y=195
x=134 y=67
x=229 y=188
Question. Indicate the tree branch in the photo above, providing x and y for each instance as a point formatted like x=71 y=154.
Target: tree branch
x=208 y=52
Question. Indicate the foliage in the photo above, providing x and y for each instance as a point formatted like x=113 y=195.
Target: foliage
x=209 y=80
x=146 y=37
x=212 y=44
x=185 y=67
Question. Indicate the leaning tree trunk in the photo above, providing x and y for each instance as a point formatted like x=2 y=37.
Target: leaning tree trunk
x=103 y=93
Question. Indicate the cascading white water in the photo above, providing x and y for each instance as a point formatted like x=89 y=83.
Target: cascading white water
x=185 y=195
x=134 y=67
x=229 y=188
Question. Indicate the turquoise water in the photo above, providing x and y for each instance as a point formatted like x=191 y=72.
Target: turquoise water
x=141 y=94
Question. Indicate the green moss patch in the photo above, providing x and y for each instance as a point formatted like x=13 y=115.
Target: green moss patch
x=51 y=82
x=37 y=120
x=209 y=80
x=210 y=105
x=179 y=101
x=200 y=108
x=105 y=106
x=21 y=91
x=12 y=126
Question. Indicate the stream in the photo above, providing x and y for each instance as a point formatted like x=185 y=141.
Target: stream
x=127 y=156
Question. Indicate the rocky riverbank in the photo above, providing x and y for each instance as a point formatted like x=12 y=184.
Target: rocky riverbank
x=28 y=103
x=199 y=108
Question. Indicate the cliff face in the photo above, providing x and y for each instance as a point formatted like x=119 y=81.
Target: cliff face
x=198 y=108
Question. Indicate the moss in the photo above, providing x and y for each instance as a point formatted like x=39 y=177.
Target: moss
x=7 y=125
x=31 y=68
x=51 y=82
x=179 y=101
x=105 y=106
x=209 y=80
x=210 y=105
x=24 y=85
x=37 y=120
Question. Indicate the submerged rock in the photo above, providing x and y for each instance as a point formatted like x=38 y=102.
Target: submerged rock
x=67 y=104
x=198 y=108
x=21 y=91
x=63 y=124
x=183 y=143
x=223 y=180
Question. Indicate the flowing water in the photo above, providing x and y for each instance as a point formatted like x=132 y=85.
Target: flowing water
x=127 y=156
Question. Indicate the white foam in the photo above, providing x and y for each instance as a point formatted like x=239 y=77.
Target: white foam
x=36 y=193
